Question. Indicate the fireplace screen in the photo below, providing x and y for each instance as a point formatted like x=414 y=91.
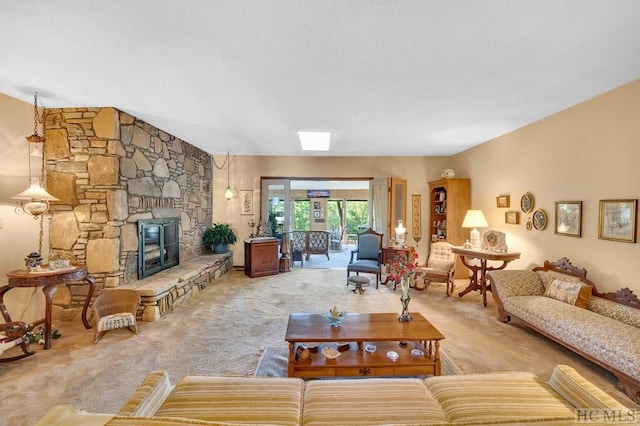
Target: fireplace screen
x=158 y=245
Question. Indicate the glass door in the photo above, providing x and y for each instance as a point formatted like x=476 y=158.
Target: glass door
x=275 y=206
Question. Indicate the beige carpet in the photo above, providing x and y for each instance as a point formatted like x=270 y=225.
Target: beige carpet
x=226 y=327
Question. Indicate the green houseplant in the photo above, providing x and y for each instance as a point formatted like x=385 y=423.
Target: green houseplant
x=218 y=237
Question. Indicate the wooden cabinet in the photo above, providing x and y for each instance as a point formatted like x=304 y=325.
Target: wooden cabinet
x=260 y=257
x=449 y=200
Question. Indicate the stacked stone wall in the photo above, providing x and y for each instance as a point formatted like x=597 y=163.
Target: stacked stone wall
x=109 y=170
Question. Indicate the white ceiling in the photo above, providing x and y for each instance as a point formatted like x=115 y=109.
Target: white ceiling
x=386 y=77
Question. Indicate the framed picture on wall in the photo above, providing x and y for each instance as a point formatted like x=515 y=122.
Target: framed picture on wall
x=316 y=205
x=502 y=201
x=618 y=220
x=569 y=218
x=316 y=214
x=246 y=200
x=512 y=217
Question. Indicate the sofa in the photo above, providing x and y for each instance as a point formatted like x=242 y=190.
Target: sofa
x=558 y=301
x=505 y=398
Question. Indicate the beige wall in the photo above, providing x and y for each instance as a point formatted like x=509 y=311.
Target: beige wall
x=586 y=153
x=19 y=234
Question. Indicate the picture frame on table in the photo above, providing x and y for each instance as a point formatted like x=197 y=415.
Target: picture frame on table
x=512 y=217
x=568 y=218
x=503 y=201
x=246 y=202
x=618 y=220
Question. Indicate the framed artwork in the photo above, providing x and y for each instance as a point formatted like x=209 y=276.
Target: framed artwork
x=416 y=219
x=246 y=200
x=527 y=202
x=618 y=220
x=569 y=218
x=512 y=217
x=316 y=215
x=502 y=201
x=316 y=205
x=539 y=219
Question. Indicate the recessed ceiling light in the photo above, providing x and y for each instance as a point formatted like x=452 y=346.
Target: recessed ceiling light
x=314 y=141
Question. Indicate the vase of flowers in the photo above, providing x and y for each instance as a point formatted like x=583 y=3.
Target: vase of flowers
x=404 y=271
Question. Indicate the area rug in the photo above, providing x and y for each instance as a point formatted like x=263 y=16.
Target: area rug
x=274 y=362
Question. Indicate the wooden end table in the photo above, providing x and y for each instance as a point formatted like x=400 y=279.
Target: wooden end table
x=48 y=280
x=358 y=329
x=478 y=278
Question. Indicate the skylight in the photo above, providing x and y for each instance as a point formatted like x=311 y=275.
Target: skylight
x=314 y=141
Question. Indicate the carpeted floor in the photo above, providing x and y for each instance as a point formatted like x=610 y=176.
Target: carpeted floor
x=225 y=328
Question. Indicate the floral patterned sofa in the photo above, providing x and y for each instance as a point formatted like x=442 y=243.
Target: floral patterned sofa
x=504 y=398
x=558 y=301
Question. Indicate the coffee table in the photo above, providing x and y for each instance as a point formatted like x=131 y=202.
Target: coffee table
x=383 y=330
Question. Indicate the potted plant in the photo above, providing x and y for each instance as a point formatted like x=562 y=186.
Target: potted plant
x=218 y=237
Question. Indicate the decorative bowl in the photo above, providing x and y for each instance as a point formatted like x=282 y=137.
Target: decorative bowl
x=330 y=353
x=335 y=318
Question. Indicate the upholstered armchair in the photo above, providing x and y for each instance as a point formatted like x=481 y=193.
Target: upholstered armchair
x=14 y=334
x=440 y=266
x=367 y=255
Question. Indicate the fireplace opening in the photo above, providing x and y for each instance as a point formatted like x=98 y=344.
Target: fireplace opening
x=158 y=245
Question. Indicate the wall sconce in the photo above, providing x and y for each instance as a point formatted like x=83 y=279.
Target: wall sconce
x=400 y=232
x=35 y=200
x=474 y=219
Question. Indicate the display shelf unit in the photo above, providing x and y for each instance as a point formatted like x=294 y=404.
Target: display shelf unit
x=449 y=200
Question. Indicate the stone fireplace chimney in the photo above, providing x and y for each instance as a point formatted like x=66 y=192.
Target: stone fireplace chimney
x=110 y=170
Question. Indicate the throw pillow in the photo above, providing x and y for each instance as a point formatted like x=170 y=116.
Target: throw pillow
x=573 y=293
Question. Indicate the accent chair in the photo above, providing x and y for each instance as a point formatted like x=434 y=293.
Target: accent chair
x=440 y=267
x=14 y=334
x=367 y=255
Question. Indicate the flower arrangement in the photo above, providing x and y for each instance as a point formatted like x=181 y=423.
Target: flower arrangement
x=404 y=271
x=36 y=334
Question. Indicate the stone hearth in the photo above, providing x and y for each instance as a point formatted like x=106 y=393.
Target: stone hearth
x=109 y=170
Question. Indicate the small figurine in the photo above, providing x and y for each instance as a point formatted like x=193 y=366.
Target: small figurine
x=33 y=260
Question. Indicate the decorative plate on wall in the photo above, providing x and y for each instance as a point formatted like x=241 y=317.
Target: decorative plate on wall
x=540 y=219
x=527 y=202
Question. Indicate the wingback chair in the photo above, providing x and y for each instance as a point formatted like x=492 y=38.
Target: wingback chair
x=367 y=255
x=440 y=266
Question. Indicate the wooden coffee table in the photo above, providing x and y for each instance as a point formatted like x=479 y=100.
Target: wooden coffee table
x=380 y=329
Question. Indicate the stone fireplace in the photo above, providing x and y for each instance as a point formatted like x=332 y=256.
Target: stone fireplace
x=111 y=171
x=158 y=245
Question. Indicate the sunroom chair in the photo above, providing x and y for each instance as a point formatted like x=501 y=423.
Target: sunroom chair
x=14 y=334
x=440 y=267
x=367 y=255
x=116 y=308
